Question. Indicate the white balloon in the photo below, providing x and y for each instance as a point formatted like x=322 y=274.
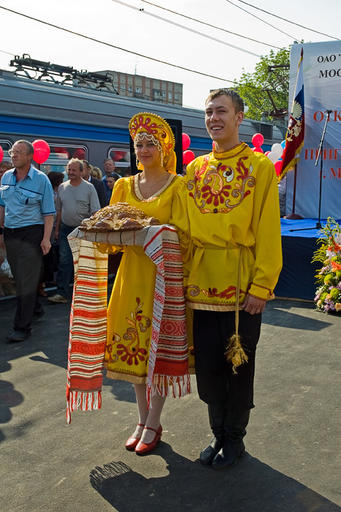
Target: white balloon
x=277 y=149
x=273 y=157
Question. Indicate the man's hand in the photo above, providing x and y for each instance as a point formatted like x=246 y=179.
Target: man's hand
x=254 y=305
x=45 y=245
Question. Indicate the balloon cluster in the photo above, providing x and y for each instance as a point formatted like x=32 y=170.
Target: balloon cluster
x=275 y=155
x=187 y=155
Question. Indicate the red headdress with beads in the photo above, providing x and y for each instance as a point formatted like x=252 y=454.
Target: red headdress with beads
x=156 y=126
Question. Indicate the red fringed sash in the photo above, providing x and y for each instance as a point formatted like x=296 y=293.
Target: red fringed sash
x=168 y=352
x=168 y=358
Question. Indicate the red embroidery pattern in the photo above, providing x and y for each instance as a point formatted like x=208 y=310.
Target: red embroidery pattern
x=228 y=293
x=145 y=124
x=221 y=186
x=131 y=352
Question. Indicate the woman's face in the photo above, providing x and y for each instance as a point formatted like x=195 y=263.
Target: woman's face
x=147 y=153
x=110 y=182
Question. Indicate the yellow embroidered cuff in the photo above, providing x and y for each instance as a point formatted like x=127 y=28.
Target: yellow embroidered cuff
x=260 y=291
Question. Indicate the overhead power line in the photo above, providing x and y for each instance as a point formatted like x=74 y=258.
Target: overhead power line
x=185 y=28
x=288 y=21
x=116 y=47
x=7 y=53
x=260 y=19
x=210 y=25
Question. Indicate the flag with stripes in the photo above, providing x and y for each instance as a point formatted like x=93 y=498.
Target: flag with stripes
x=294 y=138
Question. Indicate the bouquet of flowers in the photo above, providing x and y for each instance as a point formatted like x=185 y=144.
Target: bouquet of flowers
x=328 y=293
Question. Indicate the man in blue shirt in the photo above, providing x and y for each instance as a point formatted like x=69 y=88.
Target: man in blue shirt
x=26 y=219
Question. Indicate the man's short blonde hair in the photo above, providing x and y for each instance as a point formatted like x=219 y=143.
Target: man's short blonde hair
x=237 y=101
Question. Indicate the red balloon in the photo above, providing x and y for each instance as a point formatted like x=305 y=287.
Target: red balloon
x=187 y=156
x=41 y=151
x=278 y=167
x=258 y=149
x=1 y=154
x=257 y=140
x=186 y=141
x=267 y=153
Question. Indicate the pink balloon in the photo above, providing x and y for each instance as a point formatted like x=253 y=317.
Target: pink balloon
x=41 y=151
x=1 y=154
x=278 y=167
x=258 y=149
x=187 y=156
x=257 y=140
x=186 y=141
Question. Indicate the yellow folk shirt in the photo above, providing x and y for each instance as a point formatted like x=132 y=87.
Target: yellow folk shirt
x=227 y=214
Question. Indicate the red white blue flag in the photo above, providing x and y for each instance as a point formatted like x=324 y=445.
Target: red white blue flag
x=294 y=138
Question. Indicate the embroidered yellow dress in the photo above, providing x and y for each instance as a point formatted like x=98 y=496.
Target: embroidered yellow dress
x=228 y=213
x=131 y=304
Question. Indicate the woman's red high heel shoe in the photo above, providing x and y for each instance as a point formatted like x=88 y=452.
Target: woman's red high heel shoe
x=132 y=441
x=143 y=448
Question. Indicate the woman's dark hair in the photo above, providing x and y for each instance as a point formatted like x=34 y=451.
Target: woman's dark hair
x=56 y=178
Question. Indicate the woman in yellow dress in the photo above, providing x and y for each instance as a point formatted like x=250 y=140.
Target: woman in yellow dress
x=131 y=304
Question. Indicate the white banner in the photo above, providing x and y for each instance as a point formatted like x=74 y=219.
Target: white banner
x=322 y=92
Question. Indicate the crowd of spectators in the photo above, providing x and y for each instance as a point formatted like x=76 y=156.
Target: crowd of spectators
x=100 y=185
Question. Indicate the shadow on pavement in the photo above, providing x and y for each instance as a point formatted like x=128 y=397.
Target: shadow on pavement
x=49 y=335
x=122 y=391
x=275 y=315
x=251 y=486
x=9 y=398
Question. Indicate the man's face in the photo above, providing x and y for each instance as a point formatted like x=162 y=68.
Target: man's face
x=20 y=156
x=73 y=171
x=222 y=121
x=109 y=166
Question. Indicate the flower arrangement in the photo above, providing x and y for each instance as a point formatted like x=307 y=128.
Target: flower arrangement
x=328 y=293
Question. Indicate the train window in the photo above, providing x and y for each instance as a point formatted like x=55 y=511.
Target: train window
x=121 y=158
x=264 y=129
x=61 y=154
x=6 y=146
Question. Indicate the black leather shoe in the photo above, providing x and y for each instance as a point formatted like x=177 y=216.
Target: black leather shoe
x=206 y=456
x=229 y=454
x=18 y=335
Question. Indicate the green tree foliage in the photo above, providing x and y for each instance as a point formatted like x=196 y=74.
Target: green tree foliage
x=266 y=90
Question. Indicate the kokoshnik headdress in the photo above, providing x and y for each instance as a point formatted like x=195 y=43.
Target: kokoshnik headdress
x=156 y=129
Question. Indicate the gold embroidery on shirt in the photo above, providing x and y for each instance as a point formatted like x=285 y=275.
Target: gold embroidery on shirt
x=219 y=189
x=193 y=290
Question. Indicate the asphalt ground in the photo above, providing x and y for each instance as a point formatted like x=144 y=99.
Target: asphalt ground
x=293 y=443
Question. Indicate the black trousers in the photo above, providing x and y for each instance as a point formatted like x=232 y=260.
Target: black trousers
x=25 y=257
x=215 y=379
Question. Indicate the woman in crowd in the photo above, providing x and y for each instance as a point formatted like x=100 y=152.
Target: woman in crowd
x=110 y=181
x=131 y=305
x=96 y=172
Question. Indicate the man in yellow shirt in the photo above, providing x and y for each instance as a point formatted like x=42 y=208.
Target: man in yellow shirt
x=229 y=224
